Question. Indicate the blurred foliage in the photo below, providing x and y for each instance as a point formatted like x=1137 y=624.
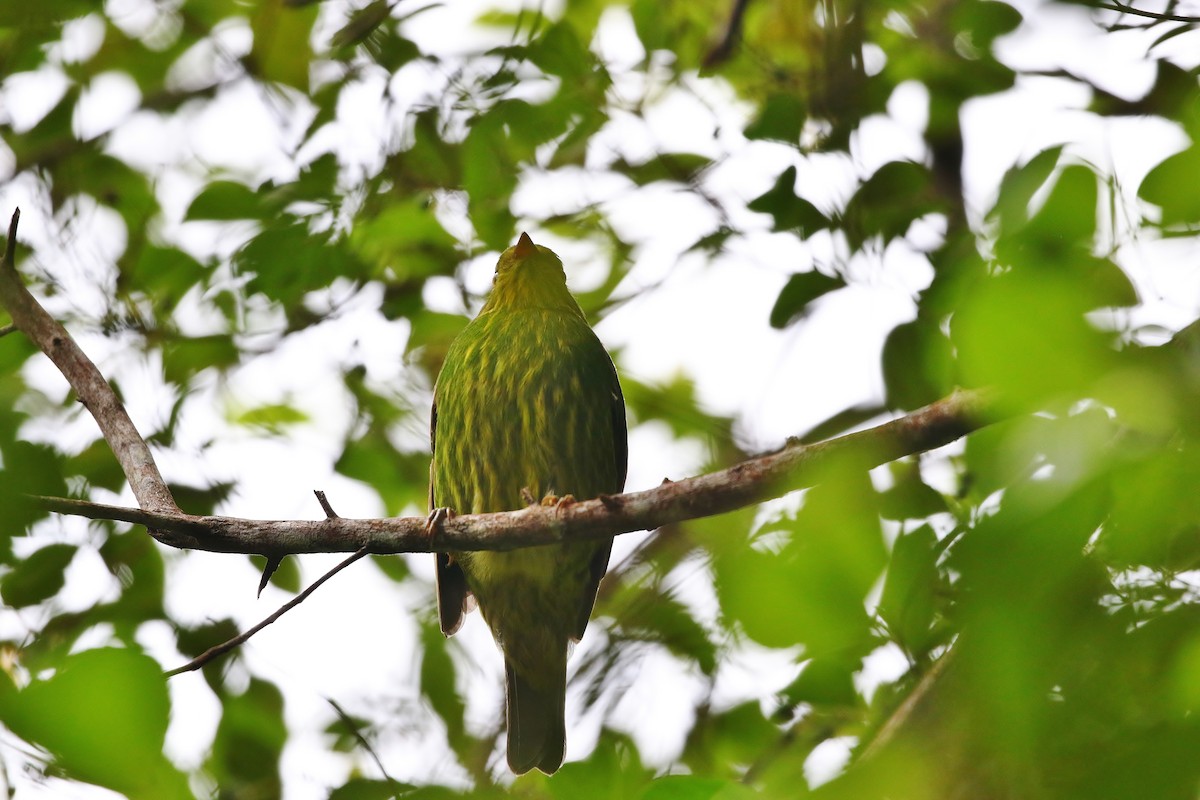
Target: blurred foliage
x=1041 y=593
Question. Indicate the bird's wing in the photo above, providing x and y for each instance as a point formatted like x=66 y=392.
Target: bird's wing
x=599 y=563
x=452 y=591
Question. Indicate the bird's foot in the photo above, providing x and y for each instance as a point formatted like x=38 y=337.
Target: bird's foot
x=552 y=500
x=435 y=523
x=549 y=500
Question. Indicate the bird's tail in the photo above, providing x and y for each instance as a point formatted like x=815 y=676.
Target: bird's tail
x=536 y=729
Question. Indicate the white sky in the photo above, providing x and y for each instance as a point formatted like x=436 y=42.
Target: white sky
x=354 y=640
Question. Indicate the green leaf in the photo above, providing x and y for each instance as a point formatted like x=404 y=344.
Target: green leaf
x=282 y=46
x=430 y=160
x=1155 y=511
x=29 y=469
x=1068 y=216
x=798 y=293
x=163 y=274
x=811 y=589
x=273 y=418
x=910 y=497
x=657 y=617
x=1025 y=334
x=362 y=23
x=404 y=240
x=225 y=200
x=791 y=213
x=558 y=51
x=1020 y=184
x=695 y=787
x=613 y=770
x=249 y=742
x=38 y=577
x=918 y=364
x=137 y=562
x=201 y=499
x=1168 y=187
x=887 y=203
x=718 y=741
x=676 y=404
x=986 y=21
x=675 y=167
x=192 y=641
x=438 y=678
x=780 y=118
x=400 y=478
x=185 y=357
x=826 y=682
x=117 y=706
x=365 y=789
x=288 y=262
x=489 y=176
x=907 y=602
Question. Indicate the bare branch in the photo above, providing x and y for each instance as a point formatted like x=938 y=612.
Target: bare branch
x=328 y=509
x=753 y=481
x=90 y=386
x=224 y=647
x=352 y=726
x=1137 y=12
x=730 y=39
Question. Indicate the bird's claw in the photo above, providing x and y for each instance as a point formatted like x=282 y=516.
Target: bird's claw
x=436 y=521
x=551 y=500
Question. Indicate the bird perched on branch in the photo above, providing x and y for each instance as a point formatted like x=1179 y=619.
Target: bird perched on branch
x=527 y=405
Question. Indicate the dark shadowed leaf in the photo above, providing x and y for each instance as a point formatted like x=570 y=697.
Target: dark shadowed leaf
x=780 y=118
x=918 y=364
x=824 y=682
x=225 y=200
x=790 y=212
x=37 y=577
x=439 y=682
x=249 y=741
x=907 y=602
x=801 y=289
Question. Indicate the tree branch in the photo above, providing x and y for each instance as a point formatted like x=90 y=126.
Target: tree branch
x=796 y=466
x=753 y=481
x=90 y=386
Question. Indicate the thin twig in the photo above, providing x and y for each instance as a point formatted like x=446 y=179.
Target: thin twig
x=729 y=40
x=1137 y=12
x=348 y=721
x=328 y=509
x=6 y=330
x=220 y=649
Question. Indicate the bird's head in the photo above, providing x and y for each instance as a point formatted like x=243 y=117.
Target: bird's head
x=530 y=276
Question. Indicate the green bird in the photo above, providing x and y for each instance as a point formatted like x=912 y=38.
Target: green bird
x=527 y=405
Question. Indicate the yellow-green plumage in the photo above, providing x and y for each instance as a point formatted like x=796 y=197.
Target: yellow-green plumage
x=527 y=399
